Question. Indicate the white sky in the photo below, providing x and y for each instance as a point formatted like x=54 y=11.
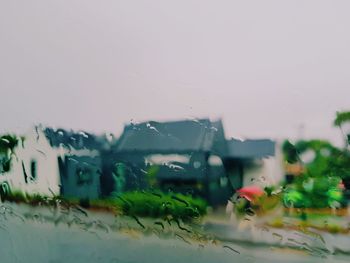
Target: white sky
x=265 y=67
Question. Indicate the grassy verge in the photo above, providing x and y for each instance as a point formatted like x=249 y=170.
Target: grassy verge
x=320 y=220
x=31 y=199
x=136 y=204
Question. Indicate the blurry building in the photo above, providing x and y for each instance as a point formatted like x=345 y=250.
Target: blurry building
x=188 y=156
x=254 y=162
x=193 y=156
x=183 y=156
x=34 y=166
x=55 y=162
x=79 y=162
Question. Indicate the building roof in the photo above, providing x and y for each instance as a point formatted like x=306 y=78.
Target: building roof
x=76 y=140
x=175 y=136
x=250 y=149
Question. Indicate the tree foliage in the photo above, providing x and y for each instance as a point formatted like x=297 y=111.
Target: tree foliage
x=290 y=152
x=318 y=185
x=341 y=118
x=7 y=144
x=328 y=159
x=315 y=192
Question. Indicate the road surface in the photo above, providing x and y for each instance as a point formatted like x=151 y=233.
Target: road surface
x=26 y=237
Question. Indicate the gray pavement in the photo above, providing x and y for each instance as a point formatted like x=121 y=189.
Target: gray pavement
x=41 y=235
x=312 y=240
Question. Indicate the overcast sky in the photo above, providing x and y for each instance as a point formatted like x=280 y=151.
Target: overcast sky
x=264 y=67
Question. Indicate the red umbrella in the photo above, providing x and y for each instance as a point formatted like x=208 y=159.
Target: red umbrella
x=250 y=192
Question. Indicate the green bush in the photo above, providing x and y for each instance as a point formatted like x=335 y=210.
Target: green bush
x=15 y=196
x=157 y=204
x=313 y=192
x=136 y=203
x=8 y=142
x=37 y=199
x=319 y=184
x=21 y=197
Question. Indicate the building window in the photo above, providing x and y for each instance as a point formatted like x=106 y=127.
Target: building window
x=33 y=169
x=84 y=176
x=162 y=159
x=215 y=160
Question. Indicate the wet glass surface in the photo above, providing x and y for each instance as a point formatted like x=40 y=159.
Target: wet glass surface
x=174 y=131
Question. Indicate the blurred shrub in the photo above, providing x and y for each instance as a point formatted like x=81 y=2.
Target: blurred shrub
x=290 y=152
x=15 y=196
x=157 y=204
x=137 y=203
x=313 y=192
x=334 y=228
x=277 y=222
x=8 y=142
x=319 y=185
x=21 y=197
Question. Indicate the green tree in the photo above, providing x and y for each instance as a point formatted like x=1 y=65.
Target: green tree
x=290 y=152
x=318 y=186
x=342 y=118
x=7 y=144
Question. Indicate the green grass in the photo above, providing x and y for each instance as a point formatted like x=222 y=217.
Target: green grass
x=137 y=203
x=21 y=197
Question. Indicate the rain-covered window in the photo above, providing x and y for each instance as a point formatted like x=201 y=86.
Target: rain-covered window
x=174 y=131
